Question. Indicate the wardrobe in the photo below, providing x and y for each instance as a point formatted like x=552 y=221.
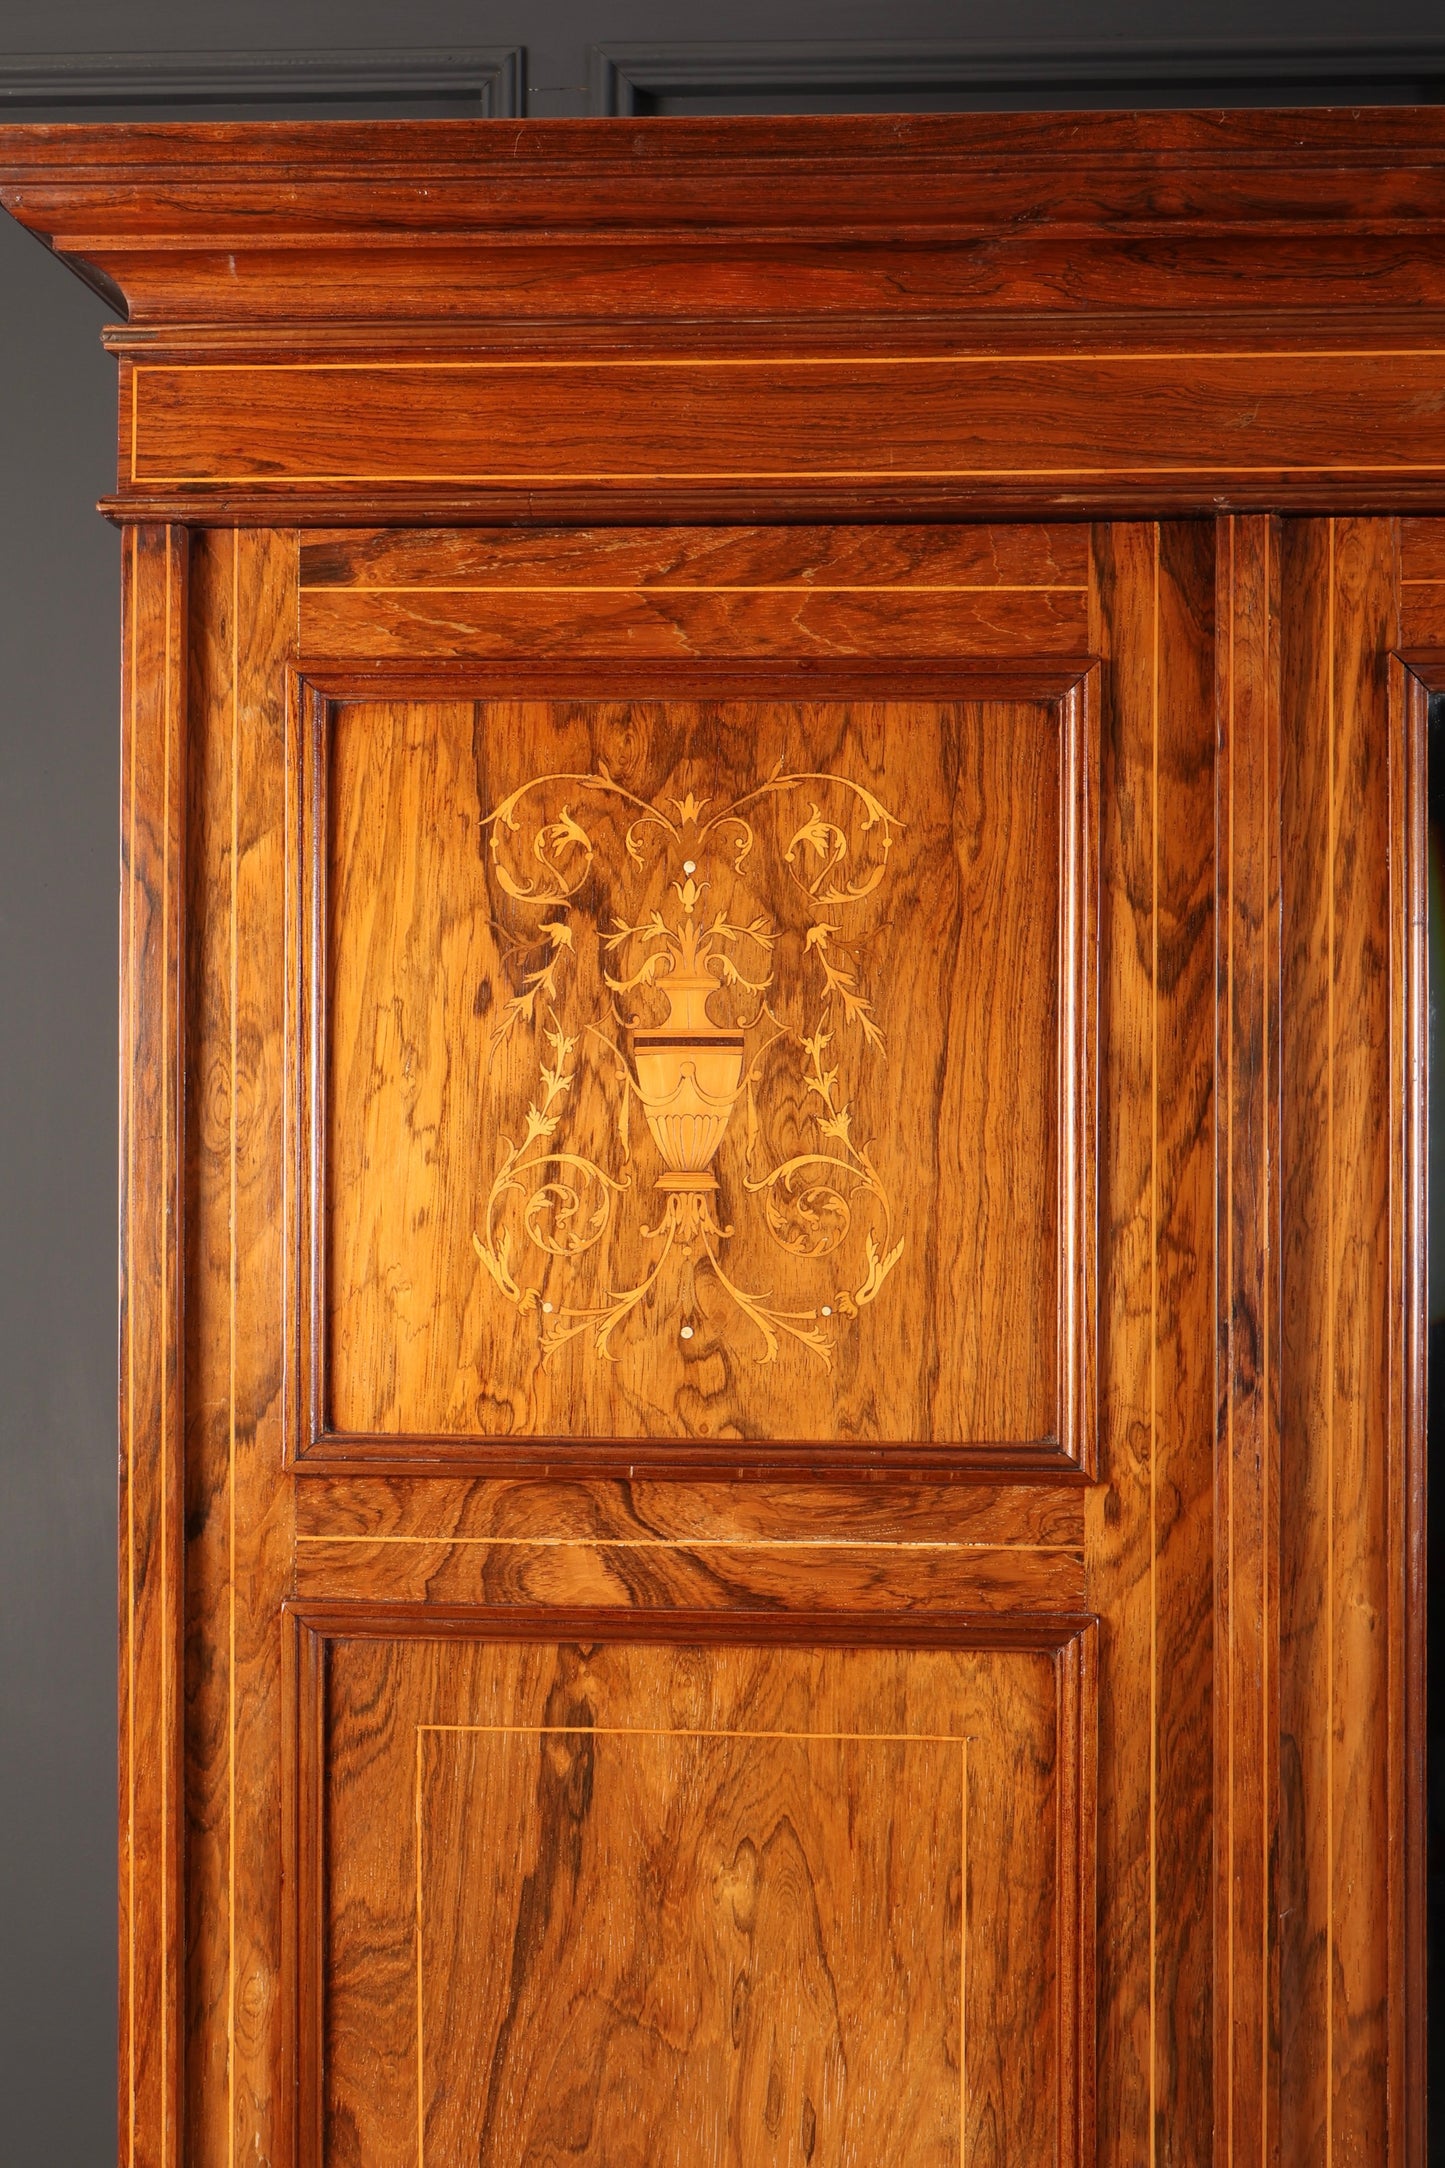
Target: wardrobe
x=772 y=1159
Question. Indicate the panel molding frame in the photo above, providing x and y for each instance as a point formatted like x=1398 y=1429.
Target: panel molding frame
x=1068 y=1454
x=494 y=74
x=626 y=76
x=309 y=1629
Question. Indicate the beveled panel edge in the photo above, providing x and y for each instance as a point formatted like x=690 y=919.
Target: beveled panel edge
x=1068 y=1454
x=360 y=1619
x=561 y=1460
x=983 y=677
x=1426 y=666
x=1185 y=493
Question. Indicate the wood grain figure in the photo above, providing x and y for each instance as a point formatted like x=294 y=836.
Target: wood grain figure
x=480 y=1010
x=775 y=1004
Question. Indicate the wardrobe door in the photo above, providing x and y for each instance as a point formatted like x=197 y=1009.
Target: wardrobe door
x=695 y=1231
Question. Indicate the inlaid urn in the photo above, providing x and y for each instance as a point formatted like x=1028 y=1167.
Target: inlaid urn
x=689 y=1073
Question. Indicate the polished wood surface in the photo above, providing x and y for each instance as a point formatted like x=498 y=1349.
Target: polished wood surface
x=238 y=1519
x=1251 y=426
x=1194 y=202
x=1148 y=1526
x=651 y=1545
x=152 y=1738
x=836 y=318
x=825 y=1562
x=921 y=1130
x=654 y=1845
x=720 y=592
x=796 y=563
x=1248 y=1237
x=1336 y=1446
x=446 y=1558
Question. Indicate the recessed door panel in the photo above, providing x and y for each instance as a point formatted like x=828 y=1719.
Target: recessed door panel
x=701 y=1070
x=659 y=1903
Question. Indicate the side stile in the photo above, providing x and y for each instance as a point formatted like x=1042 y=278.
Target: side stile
x=1183 y=1371
x=1340 y=1689
x=1409 y=698
x=151 y=1458
x=1247 y=1308
x=1367 y=1702
x=1119 y=1539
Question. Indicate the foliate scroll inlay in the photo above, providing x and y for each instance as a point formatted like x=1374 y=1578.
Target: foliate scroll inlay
x=733 y=1026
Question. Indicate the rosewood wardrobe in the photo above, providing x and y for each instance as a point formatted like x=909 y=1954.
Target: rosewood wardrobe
x=773 y=1000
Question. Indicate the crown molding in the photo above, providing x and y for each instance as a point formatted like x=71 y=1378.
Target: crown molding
x=493 y=75
x=628 y=78
x=227 y=227
x=827 y=317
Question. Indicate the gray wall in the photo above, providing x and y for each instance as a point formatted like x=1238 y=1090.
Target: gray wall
x=59 y=623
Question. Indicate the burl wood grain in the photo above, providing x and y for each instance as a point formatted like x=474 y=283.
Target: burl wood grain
x=703 y=591
x=579 y=560
x=951 y=1076
x=651 y=1546
x=370 y=1507
x=621 y=1903
x=866 y=1576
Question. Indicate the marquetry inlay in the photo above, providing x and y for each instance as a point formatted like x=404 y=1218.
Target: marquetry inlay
x=803 y=1019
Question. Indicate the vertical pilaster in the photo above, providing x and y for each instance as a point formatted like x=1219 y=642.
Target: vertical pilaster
x=151 y=1489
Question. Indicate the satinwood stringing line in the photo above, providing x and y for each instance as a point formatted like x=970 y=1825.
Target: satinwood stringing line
x=653 y=477
x=707 y=1543
x=350 y=592
x=656 y=1731
x=1024 y=357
